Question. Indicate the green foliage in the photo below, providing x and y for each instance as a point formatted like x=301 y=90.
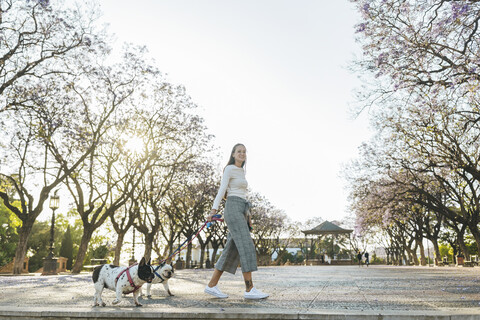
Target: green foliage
x=76 y=230
x=8 y=234
x=39 y=241
x=312 y=251
x=100 y=252
x=100 y=247
x=296 y=258
x=376 y=260
x=329 y=245
x=66 y=249
x=38 y=245
x=472 y=246
x=445 y=250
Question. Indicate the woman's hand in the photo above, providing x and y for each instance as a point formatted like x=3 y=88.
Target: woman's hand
x=212 y=213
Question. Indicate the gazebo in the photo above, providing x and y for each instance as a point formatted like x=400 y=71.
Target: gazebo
x=326 y=228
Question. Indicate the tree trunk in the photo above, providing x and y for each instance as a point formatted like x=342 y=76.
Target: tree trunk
x=398 y=257
x=461 y=244
x=423 y=260
x=148 y=245
x=82 y=250
x=188 y=261
x=455 y=252
x=202 y=255
x=21 y=251
x=414 y=255
x=118 y=247
x=476 y=236
x=436 y=249
x=167 y=251
x=409 y=256
x=214 y=255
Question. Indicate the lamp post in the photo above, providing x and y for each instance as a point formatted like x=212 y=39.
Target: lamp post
x=133 y=244
x=50 y=262
x=179 y=264
x=132 y=259
x=207 y=262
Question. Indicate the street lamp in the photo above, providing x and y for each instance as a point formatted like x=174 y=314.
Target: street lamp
x=207 y=263
x=179 y=264
x=132 y=259
x=50 y=262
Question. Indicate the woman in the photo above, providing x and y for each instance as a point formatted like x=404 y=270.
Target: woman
x=239 y=247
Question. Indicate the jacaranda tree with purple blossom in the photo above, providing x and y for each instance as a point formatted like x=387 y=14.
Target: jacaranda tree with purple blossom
x=425 y=47
x=44 y=48
x=170 y=125
x=110 y=174
x=420 y=65
x=38 y=39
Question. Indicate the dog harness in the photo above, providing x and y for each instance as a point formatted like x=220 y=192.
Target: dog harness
x=130 y=280
x=156 y=274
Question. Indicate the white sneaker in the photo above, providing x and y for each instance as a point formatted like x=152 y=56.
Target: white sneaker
x=215 y=292
x=255 y=294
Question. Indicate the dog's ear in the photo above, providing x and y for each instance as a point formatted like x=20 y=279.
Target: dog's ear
x=149 y=260
x=162 y=263
x=142 y=262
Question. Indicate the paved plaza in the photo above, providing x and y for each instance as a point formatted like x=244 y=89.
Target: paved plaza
x=296 y=292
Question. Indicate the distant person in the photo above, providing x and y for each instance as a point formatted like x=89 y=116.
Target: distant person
x=359 y=257
x=239 y=247
x=367 y=262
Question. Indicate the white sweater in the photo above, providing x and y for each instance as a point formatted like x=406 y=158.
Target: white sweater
x=233 y=182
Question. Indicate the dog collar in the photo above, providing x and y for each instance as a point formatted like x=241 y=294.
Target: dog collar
x=157 y=275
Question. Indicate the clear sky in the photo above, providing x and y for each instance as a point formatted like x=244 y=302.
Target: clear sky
x=271 y=74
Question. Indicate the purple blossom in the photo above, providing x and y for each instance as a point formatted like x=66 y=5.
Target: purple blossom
x=43 y=3
x=381 y=59
x=459 y=9
x=366 y=8
x=361 y=27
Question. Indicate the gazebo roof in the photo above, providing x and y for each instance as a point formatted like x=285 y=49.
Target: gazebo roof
x=327 y=228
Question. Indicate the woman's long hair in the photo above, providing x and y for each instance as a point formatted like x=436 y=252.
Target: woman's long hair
x=232 y=159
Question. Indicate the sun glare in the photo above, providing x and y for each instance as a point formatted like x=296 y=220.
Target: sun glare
x=134 y=145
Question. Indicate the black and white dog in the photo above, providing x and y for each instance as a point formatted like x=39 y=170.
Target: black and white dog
x=122 y=280
x=162 y=273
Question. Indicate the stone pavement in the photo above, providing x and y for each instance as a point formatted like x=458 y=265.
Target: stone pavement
x=296 y=292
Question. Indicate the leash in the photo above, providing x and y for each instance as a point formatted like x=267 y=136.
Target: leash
x=207 y=224
x=129 y=277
